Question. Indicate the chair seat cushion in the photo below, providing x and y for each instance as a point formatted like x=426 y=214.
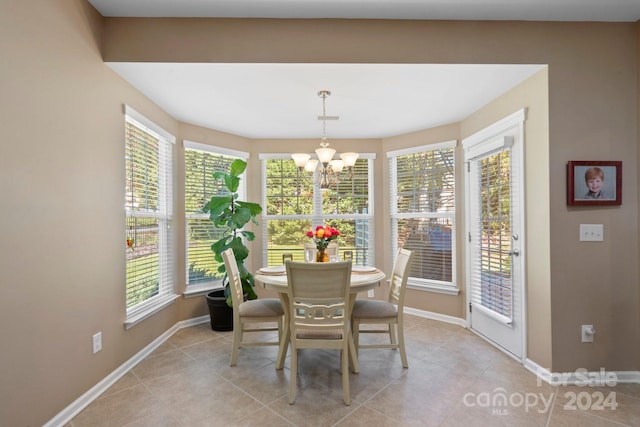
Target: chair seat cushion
x=373 y=309
x=266 y=307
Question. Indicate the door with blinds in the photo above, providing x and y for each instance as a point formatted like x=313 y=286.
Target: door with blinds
x=495 y=237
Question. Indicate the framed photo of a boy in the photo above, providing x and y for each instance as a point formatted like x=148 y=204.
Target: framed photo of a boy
x=594 y=183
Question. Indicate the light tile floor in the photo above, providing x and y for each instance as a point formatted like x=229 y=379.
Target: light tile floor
x=454 y=379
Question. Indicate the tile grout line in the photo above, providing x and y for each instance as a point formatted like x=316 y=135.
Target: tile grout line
x=553 y=404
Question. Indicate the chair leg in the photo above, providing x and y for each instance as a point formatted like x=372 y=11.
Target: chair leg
x=392 y=334
x=283 y=339
x=345 y=376
x=403 y=352
x=355 y=332
x=284 y=332
x=293 y=374
x=237 y=339
x=353 y=355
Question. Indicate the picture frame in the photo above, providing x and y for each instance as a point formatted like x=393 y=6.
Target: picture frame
x=594 y=183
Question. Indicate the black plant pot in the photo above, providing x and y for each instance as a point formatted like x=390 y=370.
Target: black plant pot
x=221 y=314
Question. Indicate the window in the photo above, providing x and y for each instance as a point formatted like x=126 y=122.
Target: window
x=201 y=161
x=423 y=212
x=148 y=206
x=293 y=204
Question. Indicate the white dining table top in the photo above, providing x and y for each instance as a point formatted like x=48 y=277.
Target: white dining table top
x=362 y=277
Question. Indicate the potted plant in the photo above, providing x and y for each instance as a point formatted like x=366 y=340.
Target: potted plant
x=231 y=215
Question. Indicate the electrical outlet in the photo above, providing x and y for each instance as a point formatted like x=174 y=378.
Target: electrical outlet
x=371 y=293
x=591 y=233
x=587 y=333
x=97 y=342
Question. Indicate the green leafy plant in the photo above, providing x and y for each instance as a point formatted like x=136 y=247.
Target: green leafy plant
x=231 y=215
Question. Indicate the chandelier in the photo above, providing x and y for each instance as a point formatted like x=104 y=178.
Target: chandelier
x=330 y=169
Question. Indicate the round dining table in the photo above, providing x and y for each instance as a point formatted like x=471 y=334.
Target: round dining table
x=363 y=278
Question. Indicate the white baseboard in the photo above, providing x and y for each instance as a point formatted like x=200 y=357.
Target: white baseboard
x=94 y=392
x=436 y=316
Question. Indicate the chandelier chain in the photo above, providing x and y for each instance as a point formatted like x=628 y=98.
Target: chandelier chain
x=324 y=94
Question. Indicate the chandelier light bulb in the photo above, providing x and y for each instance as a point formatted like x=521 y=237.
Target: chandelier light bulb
x=336 y=165
x=300 y=159
x=325 y=155
x=311 y=166
x=349 y=159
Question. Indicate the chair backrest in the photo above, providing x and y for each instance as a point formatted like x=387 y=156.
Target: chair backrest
x=399 y=276
x=235 y=284
x=318 y=294
x=286 y=257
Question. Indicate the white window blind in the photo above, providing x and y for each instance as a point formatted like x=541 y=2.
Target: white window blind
x=148 y=206
x=201 y=161
x=293 y=204
x=491 y=267
x=422 y=211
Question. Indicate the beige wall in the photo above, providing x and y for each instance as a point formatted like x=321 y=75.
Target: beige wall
x=592 y=115
x=532 y=95
x=62 y=268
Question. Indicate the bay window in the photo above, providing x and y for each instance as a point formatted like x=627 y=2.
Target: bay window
x=293 y=204
x=201 y=161
x=422 y=212
x=149 y=246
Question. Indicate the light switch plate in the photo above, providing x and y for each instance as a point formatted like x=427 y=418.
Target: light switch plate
x=97 y=342
x=591 y=233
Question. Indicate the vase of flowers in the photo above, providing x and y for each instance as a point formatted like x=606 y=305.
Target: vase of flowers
x=322 y=236
x=322 y=255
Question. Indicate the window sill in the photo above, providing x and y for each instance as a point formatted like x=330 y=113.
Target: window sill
x=139 y=315
x=430 y=287
x=201 y=289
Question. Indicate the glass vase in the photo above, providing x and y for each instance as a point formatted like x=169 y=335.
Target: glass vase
x=322 y=255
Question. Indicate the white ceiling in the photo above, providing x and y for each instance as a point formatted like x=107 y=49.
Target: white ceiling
x=281 y=101
x=373 y=101
x=525 y=10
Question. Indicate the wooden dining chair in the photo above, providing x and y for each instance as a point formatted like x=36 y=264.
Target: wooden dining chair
x=287 y=256
x=387 y=312
x=318 y=296
x=264 y=310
